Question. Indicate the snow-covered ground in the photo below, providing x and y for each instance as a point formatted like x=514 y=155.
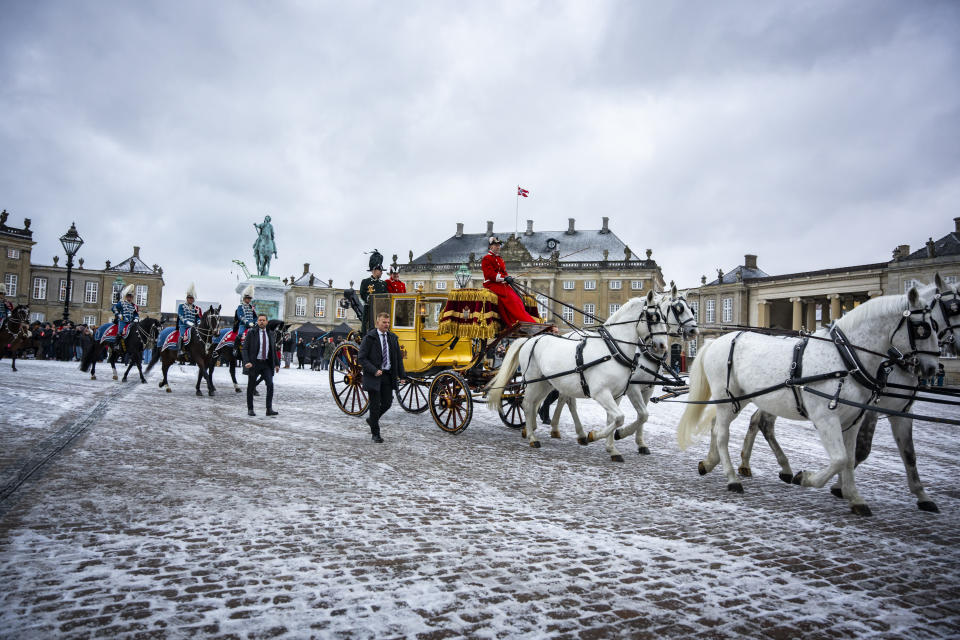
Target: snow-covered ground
x=173 y=515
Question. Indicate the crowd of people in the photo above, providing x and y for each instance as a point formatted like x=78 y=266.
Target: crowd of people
x=313 y=353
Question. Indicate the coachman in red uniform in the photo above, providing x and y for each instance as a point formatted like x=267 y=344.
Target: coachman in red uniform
x=495 y=279
x=395 y=284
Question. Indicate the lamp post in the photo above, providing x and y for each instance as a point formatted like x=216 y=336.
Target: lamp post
x=71 y=242
x=462 y=276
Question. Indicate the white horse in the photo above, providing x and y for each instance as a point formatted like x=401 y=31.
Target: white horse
x=550 y=360
x=945 y=302
x=739 y=364
x=649 y=371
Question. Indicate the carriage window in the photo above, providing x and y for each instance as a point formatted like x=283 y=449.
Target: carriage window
x=433 y=310
x=403 y=313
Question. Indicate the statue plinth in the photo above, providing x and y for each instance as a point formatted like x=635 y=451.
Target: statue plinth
x=268 y=295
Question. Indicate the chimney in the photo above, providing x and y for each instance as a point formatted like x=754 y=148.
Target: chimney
x=306 y=268
x=570 y=229
x=459 y=230
x=529 y=231
x=136 y=251
x=489 y=228
x=750 y=261
x=606 y=225
x=956 y=224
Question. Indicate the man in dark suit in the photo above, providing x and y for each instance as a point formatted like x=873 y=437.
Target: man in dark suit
x=260 y=359
x=383 y=371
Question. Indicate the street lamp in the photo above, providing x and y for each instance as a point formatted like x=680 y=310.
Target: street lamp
x=71 y=242
x=462 y=276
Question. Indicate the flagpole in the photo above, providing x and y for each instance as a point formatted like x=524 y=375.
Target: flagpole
x=516 y=217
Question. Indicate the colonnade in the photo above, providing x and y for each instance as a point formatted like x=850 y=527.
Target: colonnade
x=802 y=313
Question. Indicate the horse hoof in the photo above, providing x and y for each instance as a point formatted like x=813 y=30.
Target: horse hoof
x=744 y=472
x=837 y=491
x=928 y=505
x=210 y=393
x=114 y=377
x=616 y=434
x=861 y=510
x=701 y=468
x=535 y=444
x=169 y=390
x=592 y=436
x=143 y=381
x=786 y=477
x=583 y=440
x=798 y=479
x=555 y=434
x=644 y=451
x=523 y=432
x=238 y=389
x=199 y=393
x=93 y=377
x=617 y=458
x=736 y=487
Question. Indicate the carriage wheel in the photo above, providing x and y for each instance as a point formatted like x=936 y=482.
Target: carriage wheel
x=511 y=403
x=346 y=380
x=450 y=402
x=413 y=395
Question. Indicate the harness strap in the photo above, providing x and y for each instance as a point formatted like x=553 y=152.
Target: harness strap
x=733 y=344
x=579 y=360
x=796 y=371
x=889 y=412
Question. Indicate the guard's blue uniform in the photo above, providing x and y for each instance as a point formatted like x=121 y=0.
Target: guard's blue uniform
x=124 y=313
x=5 y=309
x=245 y=317
x=187 y=316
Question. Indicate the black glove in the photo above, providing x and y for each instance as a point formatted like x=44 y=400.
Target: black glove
x=508 y=279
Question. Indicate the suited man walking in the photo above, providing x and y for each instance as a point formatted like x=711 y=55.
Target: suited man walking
x=260 y=359
x=382 y=370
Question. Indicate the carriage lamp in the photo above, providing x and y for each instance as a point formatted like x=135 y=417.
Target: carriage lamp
x=462 y=276
x=71 y=242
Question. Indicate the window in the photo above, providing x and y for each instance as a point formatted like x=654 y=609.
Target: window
x=39 y=288
x=542 y=308
x=417 y=286
x=91 y=291
x=11 y=281
x=13 y=254
x=320 y=308
x=117 y=288
x=692 y=348
x=589 y=285
x=910 y=283
x=300 y=309
x=568 y=285
x=950 y=279
x=567 y=314
x=615 y=285
x=141 y=297
x=711 y=310
x=614 y=307
x=89 y=320
x=636 y=285
x=440 y=285
x=38 y=316
x=727 y=314
x=431 y=320
x=63 y=289
x=404 y=313
x=589 y=309
x=341 y=313
x=695 y=308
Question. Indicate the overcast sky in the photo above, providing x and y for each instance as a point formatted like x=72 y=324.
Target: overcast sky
x=814 y=134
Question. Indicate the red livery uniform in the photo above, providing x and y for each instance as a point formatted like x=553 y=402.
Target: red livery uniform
x=396 y=286
x=509 y=303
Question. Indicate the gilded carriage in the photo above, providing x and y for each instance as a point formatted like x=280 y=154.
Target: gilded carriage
x=451 y=345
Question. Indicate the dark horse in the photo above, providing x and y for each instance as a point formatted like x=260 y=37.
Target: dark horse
x=141 y=335
x=15 y=334
x=201 y=339
x=233 y=355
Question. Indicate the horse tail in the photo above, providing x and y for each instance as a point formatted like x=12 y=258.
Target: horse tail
x=695 y=421
x=157 y=352
x=88 y=357
x=507 y=369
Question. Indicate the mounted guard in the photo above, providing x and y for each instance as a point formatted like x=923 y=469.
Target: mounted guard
x=246 y=315
x=371 y=285
x=6 y=307
x=496 y=279
x=188 y=315
x=124 y=313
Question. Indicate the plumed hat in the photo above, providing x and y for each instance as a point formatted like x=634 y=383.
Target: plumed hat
x=494 y=240
x=191 y=291
x=127 y=291
x=248 y=291
x=3 y=288
x=376 y=260
x=394 y=270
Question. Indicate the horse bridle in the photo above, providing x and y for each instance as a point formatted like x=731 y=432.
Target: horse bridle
x=950 y=310
x=920 y=329
x=22 y=322
x=676 y=307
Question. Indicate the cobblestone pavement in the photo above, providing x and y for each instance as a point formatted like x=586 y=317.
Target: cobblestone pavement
x=178 y=516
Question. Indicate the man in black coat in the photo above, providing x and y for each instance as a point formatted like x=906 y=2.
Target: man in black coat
x=382 y=370
x=260 y=358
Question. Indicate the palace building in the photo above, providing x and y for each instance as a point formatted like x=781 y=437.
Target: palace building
x=93 y=291
x=589 y=269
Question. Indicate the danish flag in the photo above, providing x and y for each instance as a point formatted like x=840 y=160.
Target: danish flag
x=523 y=192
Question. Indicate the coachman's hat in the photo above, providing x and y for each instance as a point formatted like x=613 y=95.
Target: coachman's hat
x=494 y=240
x=376 y=260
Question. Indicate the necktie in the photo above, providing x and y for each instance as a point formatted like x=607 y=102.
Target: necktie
x=263 y=344
x=385 y=350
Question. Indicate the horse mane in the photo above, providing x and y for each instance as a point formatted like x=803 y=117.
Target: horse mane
x=874 y=308
x=627 y=311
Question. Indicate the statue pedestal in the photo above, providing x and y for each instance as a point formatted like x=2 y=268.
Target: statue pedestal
x=268 y=295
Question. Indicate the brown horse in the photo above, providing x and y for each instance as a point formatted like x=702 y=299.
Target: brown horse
x=201 y=339
x=15 y=334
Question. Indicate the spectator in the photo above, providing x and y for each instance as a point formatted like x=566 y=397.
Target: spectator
x=287 y=352
x=940 y=374
x=301 y=352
